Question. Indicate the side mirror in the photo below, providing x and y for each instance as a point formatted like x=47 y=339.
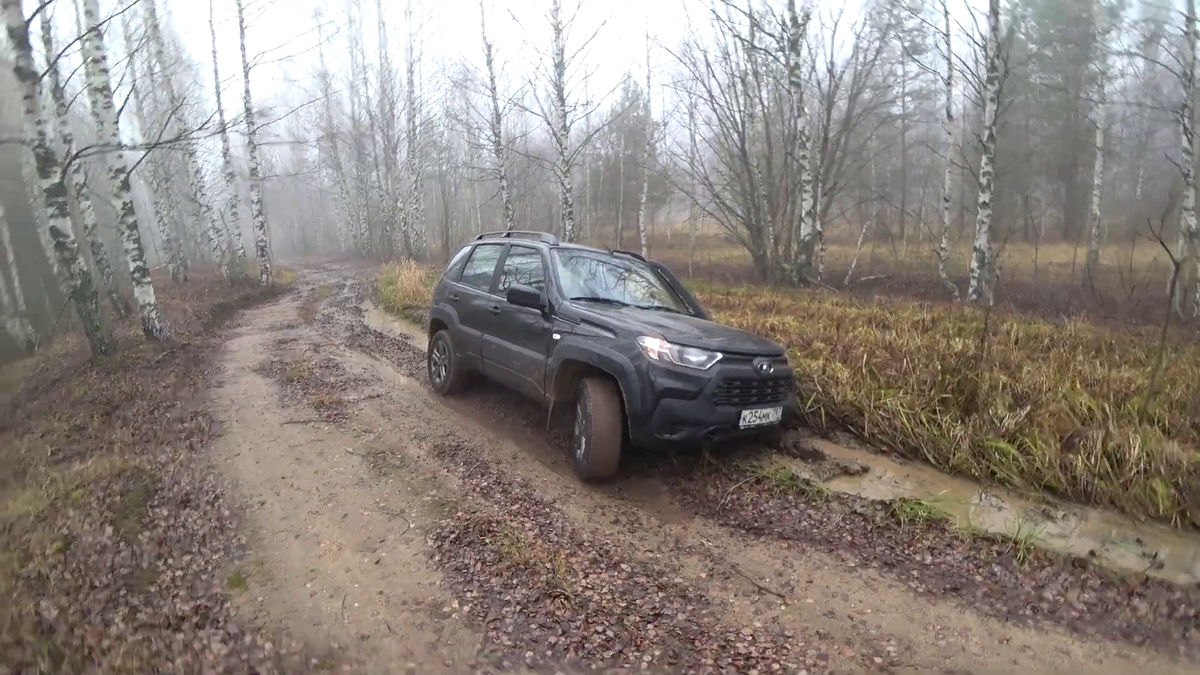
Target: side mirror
x=521 y=295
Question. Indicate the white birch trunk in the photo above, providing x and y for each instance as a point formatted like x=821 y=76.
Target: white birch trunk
x=982 y=266
x=12 y=313
x=1093 y=254
x=121 y=192
x=805 y=234
x=948 y=127
x=74 y=171
x=258 y=218
x=195 y=173
x=161 y=195
x=647 y=157
x=237 y=257
x=76 y=280
x=496 y=130
x=561 y=130
x=1189 y=232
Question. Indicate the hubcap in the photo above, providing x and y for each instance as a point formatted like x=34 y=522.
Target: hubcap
x=439 y=362
x=580 y=433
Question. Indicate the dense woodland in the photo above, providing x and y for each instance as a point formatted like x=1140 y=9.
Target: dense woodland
x=936 y=132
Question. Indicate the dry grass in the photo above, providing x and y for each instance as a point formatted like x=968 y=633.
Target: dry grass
x=404 y=290
x=1038 y=406
x=1055 y=407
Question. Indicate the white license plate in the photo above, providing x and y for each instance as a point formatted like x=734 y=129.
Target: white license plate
x=760 y=417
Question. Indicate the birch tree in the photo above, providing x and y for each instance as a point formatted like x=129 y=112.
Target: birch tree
x=258 y=218
x=495 y=128
x=1099 y=114
x=195 y=172
x=948 y=128
x=982 y=268
x=647 y=157
x=74 y=171
x=12 y=306
x=805 y=228
x=76 y=279
x=237 y=263
x=104 y=114
x=560 y=123
x=416 y=198
x=1189 y=231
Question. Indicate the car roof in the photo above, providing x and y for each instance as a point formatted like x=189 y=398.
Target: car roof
x=544 y=240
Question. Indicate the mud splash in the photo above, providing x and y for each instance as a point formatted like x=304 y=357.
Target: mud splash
x=1113 y=540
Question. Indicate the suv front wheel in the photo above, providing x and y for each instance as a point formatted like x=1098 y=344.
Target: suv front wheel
x=596 y=442
x=445 y=374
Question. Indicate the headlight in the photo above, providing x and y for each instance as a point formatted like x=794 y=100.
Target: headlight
x=688 y=357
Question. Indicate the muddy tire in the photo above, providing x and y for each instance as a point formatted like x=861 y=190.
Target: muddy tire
x=596 y=441
x=446 y=375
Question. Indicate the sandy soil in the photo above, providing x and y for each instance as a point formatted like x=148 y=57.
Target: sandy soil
x=412 y=533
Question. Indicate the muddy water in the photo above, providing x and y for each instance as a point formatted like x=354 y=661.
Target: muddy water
x=1113 y=540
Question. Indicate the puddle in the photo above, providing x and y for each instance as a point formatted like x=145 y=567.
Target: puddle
x=1113 y=540
x=377 y=319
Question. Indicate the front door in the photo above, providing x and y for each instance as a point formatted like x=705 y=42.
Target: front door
x=516 y=347
x=471 y=295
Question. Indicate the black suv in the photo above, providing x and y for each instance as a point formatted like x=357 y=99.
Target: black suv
x=609 y=331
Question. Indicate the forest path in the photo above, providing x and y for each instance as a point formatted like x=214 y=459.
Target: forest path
x=420 y=534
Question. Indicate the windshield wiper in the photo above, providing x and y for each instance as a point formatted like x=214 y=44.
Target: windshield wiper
x=607 y=301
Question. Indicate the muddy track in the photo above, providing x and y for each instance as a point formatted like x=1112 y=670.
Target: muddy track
x=440 y=535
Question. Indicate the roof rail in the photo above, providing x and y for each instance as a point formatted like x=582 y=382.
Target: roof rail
x=544 y=237
x=631 y=254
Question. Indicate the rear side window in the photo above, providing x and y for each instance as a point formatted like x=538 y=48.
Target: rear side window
x=454 y=269
x=523 y=265
x=481 y=265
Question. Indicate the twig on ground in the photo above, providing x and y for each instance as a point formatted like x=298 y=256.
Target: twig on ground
x=318 y=419
x=397 y=515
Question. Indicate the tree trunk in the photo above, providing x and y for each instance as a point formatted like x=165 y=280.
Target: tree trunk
x=1093 y=254
x=416 y=201
x=943 y=250
x=983 y=261
x=66 y=139
x=12 y=314
x=237 y=263
x=496 y=130
x=561 y=125
x=258 y=218
x=805 y=236
x=1189 y=232
x=77 y=279
x=121 y=190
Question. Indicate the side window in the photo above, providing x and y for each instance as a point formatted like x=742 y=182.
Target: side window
x=454 y=268
x=523 y=266
x=479 y=268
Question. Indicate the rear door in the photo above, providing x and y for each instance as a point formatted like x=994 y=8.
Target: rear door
x=517 y=345
x=472 y=294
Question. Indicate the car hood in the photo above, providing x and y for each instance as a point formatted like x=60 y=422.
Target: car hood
x=680 y=329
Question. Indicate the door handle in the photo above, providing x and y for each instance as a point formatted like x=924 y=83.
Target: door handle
x=453 y=297
x=494 y=309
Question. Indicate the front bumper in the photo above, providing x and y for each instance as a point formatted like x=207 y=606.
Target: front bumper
x=689 y=408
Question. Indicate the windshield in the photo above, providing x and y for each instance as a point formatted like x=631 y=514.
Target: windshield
x=592 y=275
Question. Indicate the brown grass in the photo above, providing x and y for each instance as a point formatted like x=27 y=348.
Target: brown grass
x=1058 y=407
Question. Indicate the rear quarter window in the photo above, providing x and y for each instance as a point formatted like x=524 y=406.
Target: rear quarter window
x=455 y=267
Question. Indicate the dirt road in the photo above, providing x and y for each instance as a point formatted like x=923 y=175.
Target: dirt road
x=412 y=533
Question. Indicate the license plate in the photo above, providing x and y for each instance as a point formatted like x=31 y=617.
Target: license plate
x=760 y=417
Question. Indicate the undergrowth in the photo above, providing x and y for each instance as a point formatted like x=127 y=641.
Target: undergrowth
x=1037 y=406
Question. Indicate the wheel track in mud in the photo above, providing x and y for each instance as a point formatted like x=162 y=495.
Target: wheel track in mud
x=846 y=639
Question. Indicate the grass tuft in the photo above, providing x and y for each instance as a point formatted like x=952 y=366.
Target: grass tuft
x=916 y=512
x=405 y=289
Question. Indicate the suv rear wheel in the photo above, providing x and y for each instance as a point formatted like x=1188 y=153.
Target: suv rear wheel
x=445 y=374
x=596 y=443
